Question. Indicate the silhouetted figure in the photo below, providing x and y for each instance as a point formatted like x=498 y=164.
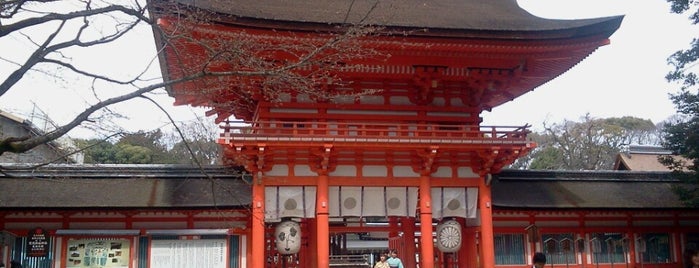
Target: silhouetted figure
x=15 y=264
x=691 y=257
x=539 y=260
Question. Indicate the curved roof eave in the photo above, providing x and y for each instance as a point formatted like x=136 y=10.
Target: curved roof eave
x=443 y=18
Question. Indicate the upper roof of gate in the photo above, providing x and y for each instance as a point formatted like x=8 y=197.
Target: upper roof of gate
x=456 y=18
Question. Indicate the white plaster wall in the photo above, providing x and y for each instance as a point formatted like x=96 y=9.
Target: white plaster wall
x=375 y=171
x=466 y=172
x=442 y=172
x=405 y=171
x=344 y=170
x=278 y=170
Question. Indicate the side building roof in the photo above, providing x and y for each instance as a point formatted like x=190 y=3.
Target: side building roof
x=175 y=186
x=520 y=189
x=644 y=158
x=121 y=186
x=12 y=125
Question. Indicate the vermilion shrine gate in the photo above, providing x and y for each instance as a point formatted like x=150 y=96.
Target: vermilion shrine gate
x=412 y=152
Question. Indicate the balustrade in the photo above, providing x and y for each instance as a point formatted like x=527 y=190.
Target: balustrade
x=385 y=131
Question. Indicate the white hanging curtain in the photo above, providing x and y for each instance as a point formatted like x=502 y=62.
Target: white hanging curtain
x=472 y=199
x=401 y=201
x=373 y=201
x=360 y=201
x=454 y=202
x=289 y=201
x=348 y=201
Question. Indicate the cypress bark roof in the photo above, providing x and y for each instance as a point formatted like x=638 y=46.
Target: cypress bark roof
x=168 y=186
x=458 y=18
x=122 y=186
x=584 y=190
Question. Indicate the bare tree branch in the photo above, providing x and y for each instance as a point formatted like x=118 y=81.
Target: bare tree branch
x=238 y=65
x=35 y=58
x=41 y=53
x=19 y=145
x=26 y=23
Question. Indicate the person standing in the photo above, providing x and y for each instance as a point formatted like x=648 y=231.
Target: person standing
x=393 y=260
x=691 y=258
x=539 y=260
x=382 y=263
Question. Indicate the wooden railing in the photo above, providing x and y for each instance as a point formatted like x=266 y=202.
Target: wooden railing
x=384 y=131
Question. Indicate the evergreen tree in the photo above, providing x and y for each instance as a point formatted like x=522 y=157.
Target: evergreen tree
x=682 y=135
x=196 y=146
x=144 y=148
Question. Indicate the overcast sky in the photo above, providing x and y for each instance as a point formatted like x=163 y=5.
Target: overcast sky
x=624 y=78
x=620 y=79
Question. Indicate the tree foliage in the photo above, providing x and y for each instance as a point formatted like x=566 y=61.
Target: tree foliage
x=97 y=151
x=157 y=147
x=121 y=152
x=143 y=148
x=199 y=145
x=682 y=135
x=133 y=154
x=589 y=144
x=59 y=31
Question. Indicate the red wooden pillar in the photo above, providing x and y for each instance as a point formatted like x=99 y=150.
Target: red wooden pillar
x=257 y=222
x=426 y=244
x=394 y=241
x=304 y=253
x=487 y=246
x=408 y=224
x=632 y=249
x=468 y=254
x=312 y=248
x=322 y=222
x=392 y=226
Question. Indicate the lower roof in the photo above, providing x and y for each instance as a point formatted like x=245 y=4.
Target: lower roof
x=176 y=186
x=122 y=186
x=584 y=190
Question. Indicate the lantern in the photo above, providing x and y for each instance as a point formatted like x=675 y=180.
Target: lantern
x=449 y=236
x=288 y=237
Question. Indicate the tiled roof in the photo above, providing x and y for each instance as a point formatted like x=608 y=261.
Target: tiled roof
x=451 y=17
x=121 y=186
x=584 y=190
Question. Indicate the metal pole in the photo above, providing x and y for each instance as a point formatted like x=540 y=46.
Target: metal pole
x=551 y=261
x=565 y=245
x=611 y=257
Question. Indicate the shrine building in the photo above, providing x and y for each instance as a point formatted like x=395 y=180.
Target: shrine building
x=351 y=128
